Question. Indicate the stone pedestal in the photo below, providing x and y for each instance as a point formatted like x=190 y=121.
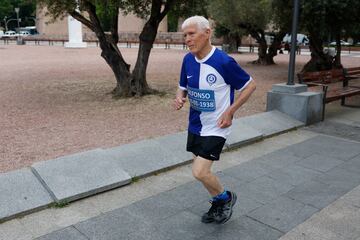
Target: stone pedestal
x=75 y=34
x=295 y=101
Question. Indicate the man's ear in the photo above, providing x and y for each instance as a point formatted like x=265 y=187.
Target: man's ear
x=208 y=32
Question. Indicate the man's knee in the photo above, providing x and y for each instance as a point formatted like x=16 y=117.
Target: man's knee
x=200 y=174
x=201 y=168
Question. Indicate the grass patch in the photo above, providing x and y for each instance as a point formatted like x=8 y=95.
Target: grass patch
x=60 y=204
x=135 y=179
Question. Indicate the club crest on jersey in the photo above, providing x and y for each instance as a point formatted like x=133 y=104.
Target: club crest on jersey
x=211 y=79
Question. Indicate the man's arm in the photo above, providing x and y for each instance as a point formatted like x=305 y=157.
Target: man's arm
x=180 y=99
x=226 y=118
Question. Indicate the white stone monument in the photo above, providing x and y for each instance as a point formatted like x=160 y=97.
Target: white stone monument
x=75 y=34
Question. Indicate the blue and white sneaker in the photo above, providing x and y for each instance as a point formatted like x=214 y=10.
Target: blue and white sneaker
x=224 y=209
x=209 y=217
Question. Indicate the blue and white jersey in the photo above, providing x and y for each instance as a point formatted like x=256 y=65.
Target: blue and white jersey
x=210 y=84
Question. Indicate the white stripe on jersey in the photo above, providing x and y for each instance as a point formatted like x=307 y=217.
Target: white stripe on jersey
x=222 y=100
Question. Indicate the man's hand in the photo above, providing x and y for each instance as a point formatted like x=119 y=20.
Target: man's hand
x=179 y=102
x=180 y=99
x=225 y=120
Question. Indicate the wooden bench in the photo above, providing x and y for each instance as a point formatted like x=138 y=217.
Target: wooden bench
x=330 y=80
x=352 y=73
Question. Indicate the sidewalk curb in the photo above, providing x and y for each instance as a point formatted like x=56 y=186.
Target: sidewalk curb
x=256 y=127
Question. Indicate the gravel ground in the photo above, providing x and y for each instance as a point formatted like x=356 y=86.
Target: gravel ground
x=55 y=101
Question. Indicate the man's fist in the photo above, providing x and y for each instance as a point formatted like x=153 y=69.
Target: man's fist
x=179 y=102
x=225 y=120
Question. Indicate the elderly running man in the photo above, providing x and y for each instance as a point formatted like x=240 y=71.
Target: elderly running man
x=209 y=78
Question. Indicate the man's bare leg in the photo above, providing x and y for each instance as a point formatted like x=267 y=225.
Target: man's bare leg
x=201 y=170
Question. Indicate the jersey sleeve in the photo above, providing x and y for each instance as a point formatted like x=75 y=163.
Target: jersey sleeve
x=183 y=78
x=235 y=76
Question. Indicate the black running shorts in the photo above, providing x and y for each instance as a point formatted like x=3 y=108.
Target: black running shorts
x=208 y=147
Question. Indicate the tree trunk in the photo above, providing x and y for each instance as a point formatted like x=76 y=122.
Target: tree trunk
x=147 y=38
x=264 y=57
x=233 y=44
x=138 y=81
x=127 y=84
x=121 y=72
x=120 y=68
x=319 y=60
x=275 y=46
x=234 y=41
x=110 y=52
x=337 y=62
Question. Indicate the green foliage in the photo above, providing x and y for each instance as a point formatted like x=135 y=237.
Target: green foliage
x=330 y=17
x=172 y=19
x=139 y=8
x=342 y=15
x=106 y=10
x=61 y=204
x=6 y=9
x=229 y=13
x=58 y=9
x=135 y=179
x=27 y=9
x=281 y=15
x=220 y=31
x=185 y=10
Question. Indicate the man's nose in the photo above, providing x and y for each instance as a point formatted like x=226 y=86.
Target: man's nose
x=187 y=39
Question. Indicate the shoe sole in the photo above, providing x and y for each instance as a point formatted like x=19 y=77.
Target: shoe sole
x=232 y=205
x=208 y=221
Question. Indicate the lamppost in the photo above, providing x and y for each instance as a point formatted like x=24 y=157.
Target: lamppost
x=5 y=23
x=19 y=40
x=17 y=17
x=293 y=43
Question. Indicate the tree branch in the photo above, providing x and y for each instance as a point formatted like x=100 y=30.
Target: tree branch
x=251 y=29
x=155 y=10
x=115 y=25
x=82 y=19
x=167 y=8
x=91 y=9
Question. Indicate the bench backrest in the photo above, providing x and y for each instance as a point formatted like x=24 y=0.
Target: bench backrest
x=352 y=71
x=324 y=77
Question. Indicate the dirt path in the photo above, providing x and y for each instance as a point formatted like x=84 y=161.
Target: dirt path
x=54 y=101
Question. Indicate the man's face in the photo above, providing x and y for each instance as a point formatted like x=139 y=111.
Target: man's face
x=196 y=39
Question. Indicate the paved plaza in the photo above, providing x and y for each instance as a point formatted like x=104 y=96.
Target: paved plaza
x=303 y=184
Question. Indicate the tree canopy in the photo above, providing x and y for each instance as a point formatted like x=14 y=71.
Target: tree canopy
x=231 y=13
x=325 y=21
x=186 y=9
x=254 y=17
x=7 y=9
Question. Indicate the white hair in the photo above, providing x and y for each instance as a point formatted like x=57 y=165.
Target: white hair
x=201 y=22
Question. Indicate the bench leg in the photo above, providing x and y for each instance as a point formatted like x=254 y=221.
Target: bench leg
x=325 y=88
x=342 y=101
